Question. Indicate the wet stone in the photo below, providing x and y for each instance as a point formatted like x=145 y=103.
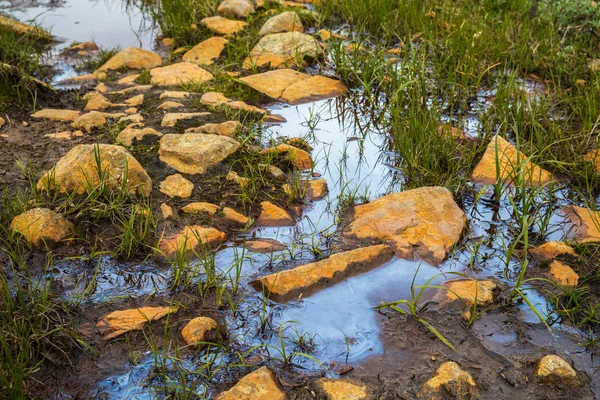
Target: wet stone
x=177 y=74
x=167 y=105
x=287 y=21
x=300 y=158
x=582 y=226
x=471 y=291
x=137 y=100
x=173 y=94
x=206 y=52
x=235 y=217
x=96 y=101
x=171 y=119
x=307 y=279
x=227 y=128
x=43 y=228
x=56 y=115
x=88 y=121
x=280 y=49
x=554 y=370
x=132 y=119
x=450 y=381
x=265 y=246
x=316 y=189
x=551 y=250
x=340 y=389
x=511 y=164
x=117 y=323
x=130 y=135
x=77 y=171
x=191 y=153
x=272 y=215
x=166 y=210
x=199 y=207
x=257 y=385
x=24 y=29
x=177 y=186
x=200 y=329
x=423 y=223
x=190 y=239
x=223 y=26
x=132 y=57
x=562 y=274
x=235 y=8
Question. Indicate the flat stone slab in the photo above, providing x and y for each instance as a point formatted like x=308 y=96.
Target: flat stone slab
x=130 y=135
x=132 y=57
x=423 y=223
x=171 y=119
x=177 y=74
x=307 y=279
x=54 y=114
x=583 y=225
x=190 y=239
x=273 y=215
x=551 y=250
x=223 y=26
x=206 y=52
x=191 y=153
x=116 y=323
x=265 y=246
x=278 y=50
x=294 y=87
x=227 y=128
x=502 y=162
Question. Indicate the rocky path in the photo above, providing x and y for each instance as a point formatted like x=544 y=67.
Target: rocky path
x=139 y=132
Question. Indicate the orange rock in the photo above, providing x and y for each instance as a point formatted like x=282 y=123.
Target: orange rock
x=554 y=370
x=93 y=119
x=223 y=26
x=78 y=171
x=176 y=186
x=190 y=239
x=419 y=223
x=206 y=52
x=179 y=73
x=200 y=329
x=128 y=135
x=227 y=128
x=24 y=29
x=166 y=210
x=235 y=217
x=316 y=189
x=42 y=227
x=265 y=246
x=300 y=158
x=451 y=131
x=511 y=163
x=470 y=290
x=272 y=215
x=117 y=323
x=450 y=381
x=307 y=279
x=132 y=57
x=551 y=250
x=257 y=385
x=56 y=114
x=200 y=207
x=137 y=100
x=583 y=226
x=96 y=101
x=340 y=389
x=563 y=274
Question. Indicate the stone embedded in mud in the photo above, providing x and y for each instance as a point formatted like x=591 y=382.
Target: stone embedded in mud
x=96 y=101
x=137 y=100
x=563 y=274
x=136 y=119
x=190 y=239
x=57 y=115
x=78 y=171
x=43 y=228
x=316 y=189
x=85 y=46
x=198 y=207
x=177 y=74
x=191 y=153
x=295 y=87
x=201 y=329
x=171 y=119
x=128 y=135
x=166 y=210
x=176 y=186
x=174 y=94
x=24 y=29
x=216 y=99
x=117 y=323
x=583 y=225
x=206 y=52
x=300 y=158
x=235 y=8
x=593 y=157
x=264 y=246
x=554 y=370
x=167 y=105
x=2 y=122
x=420 y=223
x=59 y=135
x=132 y=57
x=276 y=172
x=279 y=49
x=257 y=385
x=227 y=128
x=234 y=177
x=471 y=291
x=450 y=381
x=88 y=121
x=287 y=21
x=223 y=26
x=511 y=163
x=307 y=279
x=272 y=215
x=340 y=389
x=551 y=250
x=235 y=217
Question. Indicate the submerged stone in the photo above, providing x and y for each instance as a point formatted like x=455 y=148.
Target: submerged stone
x=190 y=239
x=554 y=370
x=177 y=74
x=78 y=171
x=422 y=223
x=272 y=215
x=287 y=21
x=43 y=228
x=257 y=385
x=505 y=159
x=117 y=323
x=307 y=279
x=265 y=246
x=206 y=52
x=132 y=57
x=190 y=153
x=450 y=381
x=223 y=26
x=279 y=49
x=176 y=186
